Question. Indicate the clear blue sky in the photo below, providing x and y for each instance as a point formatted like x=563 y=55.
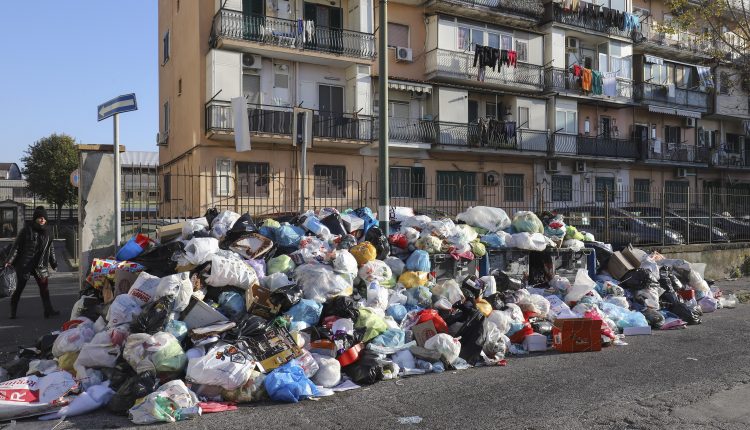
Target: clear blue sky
x=63 y=58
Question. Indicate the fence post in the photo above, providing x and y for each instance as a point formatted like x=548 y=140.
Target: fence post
x=687 y=199
x=710 y=215
x=606 y=214
x=663 y=220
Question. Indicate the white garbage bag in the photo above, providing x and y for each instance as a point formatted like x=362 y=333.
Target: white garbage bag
x=92 y=399
x=448 y=346
x=488 y=218
x=101 y=351
x=581 y=286
x=224 y=365
x=72 y=340
x=527 y=241
x=222 y=223
x=198 y=250
x=164 y=404
x=329 y=371
x=230 y=271
x=178 y=286
x=123 y=310
x=144 y=288
x=191 y=226
x=319 y=282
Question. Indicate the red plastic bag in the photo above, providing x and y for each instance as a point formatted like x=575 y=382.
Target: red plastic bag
x=398 y=240
x=520 y=335
x=437 y=320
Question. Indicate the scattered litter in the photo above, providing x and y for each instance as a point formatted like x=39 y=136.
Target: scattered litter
x=410 y=420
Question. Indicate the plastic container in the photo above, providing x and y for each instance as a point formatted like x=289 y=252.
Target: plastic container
x=350 y=355
x=133 y=247
x=565 y=262
x=444 y=267
x=514 y=262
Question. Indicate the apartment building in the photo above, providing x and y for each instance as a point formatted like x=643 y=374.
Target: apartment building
x=664 y=110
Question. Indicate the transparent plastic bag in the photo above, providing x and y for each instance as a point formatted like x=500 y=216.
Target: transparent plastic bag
x=376 y=271
x=488 y=218
x=319 y=282
x=527 y=221
x=231 y=271
x=581 y=286
x=199 y=250
x=72 y=340
x=446 y=345
x=397 y=266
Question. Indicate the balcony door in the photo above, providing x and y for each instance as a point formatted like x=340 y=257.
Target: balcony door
x=330 y=121
x=329 y=24
x=254 y=14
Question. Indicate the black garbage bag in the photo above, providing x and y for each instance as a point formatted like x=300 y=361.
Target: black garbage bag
x=636 y=279
x=131 y=390
x=318 y=333
x=44 y=344
x=241 y=228
x=18 y=367
x=676 y=283
x=670 y=301
x=654 y=317
x=542 y=326
x=287 y=296
x=119 y=374
x=473 y=287
x=379 y=240
x=368 y=369
x=506 y=282
x=158 y=261
x=210 y=215
x=91 y=307
x=154 y=317
x=602 y=253
x=247 y=325
x=473 y=336
x=346 y=242
x=496 y=300
x=8 y=281
x=334 y=224
x=342 y=307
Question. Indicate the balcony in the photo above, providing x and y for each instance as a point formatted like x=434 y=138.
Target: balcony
x=588 y=146
x=586 y=22
x=673 y=44
x=443 y=64
x=517 y=13
x=283 y=33
x=276 y=121
x=563 y=81
x=649 y=93
x=674 y=153
x=731 y=160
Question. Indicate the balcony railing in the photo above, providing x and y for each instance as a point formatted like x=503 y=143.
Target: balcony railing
x=674 y=152
x=571 y=144
x=277 y=120
x=678 y=40
x=286 y=33
x=460 y=65
x=594 y=21
x=731 y=159
x=562 y=80
x=527 y=8
x=659 y=94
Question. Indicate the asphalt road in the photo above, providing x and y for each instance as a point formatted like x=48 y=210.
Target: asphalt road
x=694 y=378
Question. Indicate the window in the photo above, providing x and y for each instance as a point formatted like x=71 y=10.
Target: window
x=165 y=48
x=566 y=121
x=490 y=110
x=223 y=179
x=642 y=190
x=464 y=39
x=453 y=186
x=562 y=188
x=724 y=83
x=522 y=50
x=251 y=87
x=734 y=143
x=281 y=76
x=523 y=117
x=477 y=37
x=330 y=99
x=166 y=118
x=672 y=134
x=603 y=186
x=493 y=40
x=129 y=195
x=398 y=109
x=179 y=86
x=507 y=42
x=253 y=179
x=706 y=138
x=513 y=187
x=675 y=191
x=329 y=181
x=324 y=16
x=398 y=35
x=167 y=191
x=407 y=182
x=605 y=126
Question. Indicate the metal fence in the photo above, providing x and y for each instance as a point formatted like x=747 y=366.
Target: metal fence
x=643 y=215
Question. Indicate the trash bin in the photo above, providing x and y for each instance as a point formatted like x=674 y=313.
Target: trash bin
x=514 y=262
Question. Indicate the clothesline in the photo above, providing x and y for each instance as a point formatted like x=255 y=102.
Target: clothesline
x=494 y=58
x=616 y=18
x=594 y=81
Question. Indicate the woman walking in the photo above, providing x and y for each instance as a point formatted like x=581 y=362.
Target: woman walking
x=31 y=255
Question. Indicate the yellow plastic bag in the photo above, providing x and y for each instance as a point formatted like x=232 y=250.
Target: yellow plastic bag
x=411 y=279
x=363 y=252
x=66 y=361
x=478 y=249
x=484 y=307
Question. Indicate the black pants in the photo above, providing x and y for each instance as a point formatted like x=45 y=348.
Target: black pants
x=43 y=283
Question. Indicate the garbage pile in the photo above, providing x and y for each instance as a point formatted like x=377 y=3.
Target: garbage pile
x=225 y=309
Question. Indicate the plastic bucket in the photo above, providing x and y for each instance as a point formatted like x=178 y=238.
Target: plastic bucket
x=133 y=247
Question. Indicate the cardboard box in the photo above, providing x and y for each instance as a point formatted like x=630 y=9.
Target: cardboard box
x=423 y=331
x=273 y=348
x=169 y=232
x=636 y=331
x=619 y=265
x=535 y=342
x=258 y=302
x=634 y=255
x=199 y=314
x=577 y=335
x=123 y=281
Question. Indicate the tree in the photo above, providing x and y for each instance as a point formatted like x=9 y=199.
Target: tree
x=48 y=164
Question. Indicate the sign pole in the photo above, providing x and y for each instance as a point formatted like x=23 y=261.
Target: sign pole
x=118 y=185
x=383 y=160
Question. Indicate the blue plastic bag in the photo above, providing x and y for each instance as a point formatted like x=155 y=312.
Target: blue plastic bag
x=259 y=266
x=288 y=235
x=368 y=217
x=178 y=329
x=420 y=296
x=397 y=312
x=418 y=261
x=493 y=240
x=392 y=337
x=289 y=384
x=231 y=303
x=307 y=311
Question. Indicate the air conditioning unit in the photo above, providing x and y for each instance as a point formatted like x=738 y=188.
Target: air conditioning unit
x=690 y=122
x=491 y=179
x=403 y=54
x=572 y=44
x=252 y=61
x=579 y=167
x=553 y=166
x=161 y=139
x=681 y=172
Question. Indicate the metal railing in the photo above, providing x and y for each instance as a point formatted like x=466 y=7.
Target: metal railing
x=287 y=33
x=594 y=146
x=528 y=8
x=585 y=18
x=679 y=41
x=563 y=80
x=724 y=158
x=460 y=65
x=277 y=120
x=674 y=152
x=647 y=92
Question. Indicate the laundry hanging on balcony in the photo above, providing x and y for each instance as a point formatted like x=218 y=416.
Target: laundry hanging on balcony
x=704 y=75
x=624 y=21
x=494 y=58
x=306 y=30
x=609 y=85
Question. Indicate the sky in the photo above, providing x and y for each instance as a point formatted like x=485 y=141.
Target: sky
x=61 y=59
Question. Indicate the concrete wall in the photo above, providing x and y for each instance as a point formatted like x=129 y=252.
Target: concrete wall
x=720 y=259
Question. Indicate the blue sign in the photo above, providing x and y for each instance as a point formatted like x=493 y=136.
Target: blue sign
x=123 y=103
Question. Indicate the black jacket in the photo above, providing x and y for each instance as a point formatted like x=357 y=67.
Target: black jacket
x=27 y=246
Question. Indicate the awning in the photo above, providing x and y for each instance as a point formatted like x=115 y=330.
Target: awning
x=409 y=86
x=678 y=112
x=653 y=60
